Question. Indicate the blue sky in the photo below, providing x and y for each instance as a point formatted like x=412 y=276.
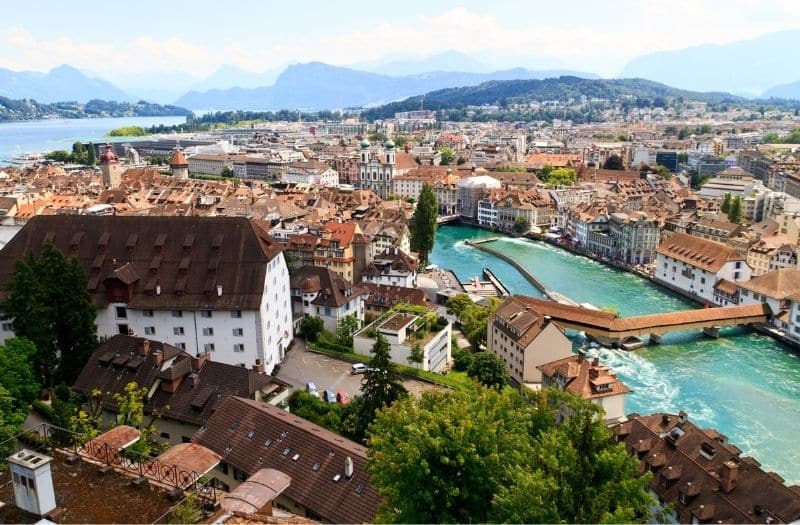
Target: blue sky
x=164 y=39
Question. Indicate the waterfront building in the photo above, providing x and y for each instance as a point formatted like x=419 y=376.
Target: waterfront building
x=446 y=192
x=702 y=476
x=203 y=284
x=695 y=266
x=775 y=288
x=320 y=292
x=525 y=340
x=589 y=380
x=178 y=384
x=470 y=191
x=329 y=480
x=635 y=237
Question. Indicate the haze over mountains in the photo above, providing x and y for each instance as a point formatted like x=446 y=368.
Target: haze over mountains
x=759 y=67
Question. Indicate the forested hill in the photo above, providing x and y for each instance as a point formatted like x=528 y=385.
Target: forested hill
x=26 y=109
x=562 y=89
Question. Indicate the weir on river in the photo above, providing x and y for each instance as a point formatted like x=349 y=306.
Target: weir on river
x=744 y=384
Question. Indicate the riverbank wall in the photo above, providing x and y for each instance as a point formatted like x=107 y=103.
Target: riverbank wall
x=521 y=269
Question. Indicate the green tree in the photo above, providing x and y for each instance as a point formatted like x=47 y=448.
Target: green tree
x=189 y=510
x=130 y=411
x=613 y=162
x=78 y=152
x=488 y=369
x=559 y=177
x=49 y=305
x=663 y=171
x=416 y=356
x=317 y=411
x=91 y=155
x=16 y=371
x=736 y=213
x=447 y=156
x=726 y=204
x=226 y=172
x=423 y=223
x=11 y=420
x=311 y=327
x=462 y=359
x=347 y=326
x=381 y=386
x=461 y=160
x=521 y=224
x=440 y=458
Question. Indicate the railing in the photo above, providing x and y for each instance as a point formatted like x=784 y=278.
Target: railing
x=128 y=462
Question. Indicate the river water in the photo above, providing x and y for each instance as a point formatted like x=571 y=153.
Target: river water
x=47 y=135
x=745 y=385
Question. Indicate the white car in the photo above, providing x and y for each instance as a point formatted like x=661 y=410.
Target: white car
x=358 y=368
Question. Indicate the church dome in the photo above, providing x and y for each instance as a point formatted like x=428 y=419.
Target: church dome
x=389 y=144
x=365 y=144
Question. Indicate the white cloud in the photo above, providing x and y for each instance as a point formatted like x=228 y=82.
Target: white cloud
x=598 y=37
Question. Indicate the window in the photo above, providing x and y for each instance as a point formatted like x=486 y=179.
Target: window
x=177 y=313
x=223 y=467
x=165 y=435
x=149 y=330
x=182 y=346
x=238 y=347
x=147 y=313
x=238 y=332
x=178 y=330
x=123 y=329
x=327 y=311
x=122 y=312
x=7 y=327
x=205 y=313
x=208 y=331
x=236 y=314
x=208 y=347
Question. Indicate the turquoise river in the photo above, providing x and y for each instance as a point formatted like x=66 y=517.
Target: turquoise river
x=745 y=385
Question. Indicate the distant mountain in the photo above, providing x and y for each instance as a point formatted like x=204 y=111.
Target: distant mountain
x=229 y=76
x=28 y=109
x=747 y=66
x=562 y=89
x=59 y=84
x=446 y=61
x=316 y=85
x=791 y=90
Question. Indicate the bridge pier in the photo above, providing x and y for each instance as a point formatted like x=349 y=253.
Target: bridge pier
x=712 y=331
x=655 y=339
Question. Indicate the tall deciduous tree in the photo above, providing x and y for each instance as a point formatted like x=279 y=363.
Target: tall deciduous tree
x=613 y=162
x=91 y=156
x=423 y=222
x=16 y=371
x=347 y=326
x=726 y=204
x=488 y=369
x=11 y=419
x=736 y=212
x=49 y=304
x=416 y=356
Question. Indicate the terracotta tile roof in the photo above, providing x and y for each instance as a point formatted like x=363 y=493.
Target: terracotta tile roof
x=701 y=253
x=586 y=378
x=386 y=296
x=703 y=475
x=175 y=262
x=332 y=288
x=778 y=284
x=313 y=457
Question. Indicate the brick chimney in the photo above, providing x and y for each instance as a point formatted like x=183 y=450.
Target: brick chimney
x=594 y=373
x=144 y=347
x=596 y=361
x=728 y=476
x=581 y=356
x=157 y=357
x=199 y=360
x=258 y=366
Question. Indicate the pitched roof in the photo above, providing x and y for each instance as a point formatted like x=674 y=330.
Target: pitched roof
x=172 y=262
x=332 y=288
x=586 y=378
x=250 y=436
x=200 y=383
x=701 y=253
x=778 y=284
x=521 y=322
x=696 y=464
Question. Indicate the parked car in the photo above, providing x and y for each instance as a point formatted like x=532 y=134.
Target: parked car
x=311 y=388
x=328 y=396
x=342 y=397
x=358 y=368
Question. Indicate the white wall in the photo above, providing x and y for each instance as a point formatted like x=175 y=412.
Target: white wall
x=696 y=281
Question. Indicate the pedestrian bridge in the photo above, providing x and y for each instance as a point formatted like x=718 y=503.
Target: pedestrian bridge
x=607 y=328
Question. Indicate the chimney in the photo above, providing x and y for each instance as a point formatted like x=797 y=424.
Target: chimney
x=593 y=373
x=156 y=357
x=199 y=360
x=596 y=361
x=581 y=356
x=195 y=379
x=258 y=366
x=682 y=417
x=348 y=467
x=144 y=347
x=219 y=290
x=728 y=476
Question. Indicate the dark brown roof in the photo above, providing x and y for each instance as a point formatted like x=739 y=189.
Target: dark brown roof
x=333 y=289
x=517 y=317
x=250 y=436
x=695 y=463
x=386 y=296
x=169 y=262
x=201 y=383
x=701 y=253
x=583 y=377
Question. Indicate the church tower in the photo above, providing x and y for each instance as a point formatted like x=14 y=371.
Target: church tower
x=178 y=165
x=109 y=166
